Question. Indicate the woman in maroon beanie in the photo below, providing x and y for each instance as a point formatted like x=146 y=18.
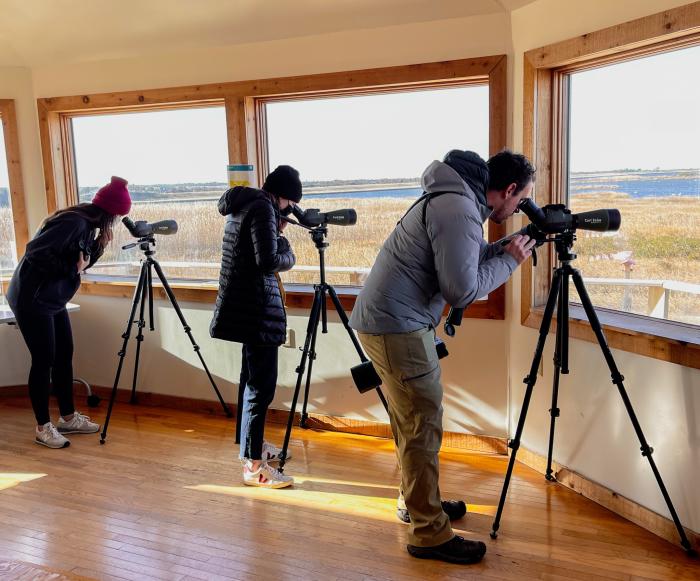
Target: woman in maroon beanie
x=68 y=243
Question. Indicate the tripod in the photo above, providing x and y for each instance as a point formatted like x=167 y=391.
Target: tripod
x=559 y=296
x=144 y=293
x=318 y=314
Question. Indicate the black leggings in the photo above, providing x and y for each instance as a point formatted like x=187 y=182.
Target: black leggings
x=50 y=343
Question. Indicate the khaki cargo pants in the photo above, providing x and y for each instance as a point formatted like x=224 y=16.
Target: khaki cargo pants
x=410 y=371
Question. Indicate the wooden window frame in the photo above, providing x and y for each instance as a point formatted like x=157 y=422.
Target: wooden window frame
x=246 y=134
x=14 y=170
x=544 y=139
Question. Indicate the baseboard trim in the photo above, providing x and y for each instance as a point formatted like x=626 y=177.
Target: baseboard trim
x=471 y=442
x=626 y=508
x=655 y=523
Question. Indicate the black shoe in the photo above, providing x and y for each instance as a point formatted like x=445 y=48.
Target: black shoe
x=455 y=509
x=456 y=550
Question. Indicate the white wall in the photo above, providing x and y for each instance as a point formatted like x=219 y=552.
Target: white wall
x=594 y=436
x=475 y=400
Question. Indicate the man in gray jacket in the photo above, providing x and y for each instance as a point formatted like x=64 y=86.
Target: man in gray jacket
x=436 y=254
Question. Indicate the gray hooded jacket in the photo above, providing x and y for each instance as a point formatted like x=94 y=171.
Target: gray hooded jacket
x=420 y=267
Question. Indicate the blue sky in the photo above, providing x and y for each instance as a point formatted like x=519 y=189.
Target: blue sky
x=643 y=113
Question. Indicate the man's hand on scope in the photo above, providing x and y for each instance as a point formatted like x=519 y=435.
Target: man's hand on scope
x=520 y=247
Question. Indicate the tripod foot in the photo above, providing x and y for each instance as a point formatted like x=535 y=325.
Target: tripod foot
x=493 y=535
x=692 y=553
x=303 y=421
x=550 y=478
x=102 y=441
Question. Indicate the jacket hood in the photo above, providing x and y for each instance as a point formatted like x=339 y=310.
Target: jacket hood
x=440 y=177
x=235 y=199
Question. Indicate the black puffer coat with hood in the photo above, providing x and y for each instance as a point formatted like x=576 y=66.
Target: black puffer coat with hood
x=249 y=307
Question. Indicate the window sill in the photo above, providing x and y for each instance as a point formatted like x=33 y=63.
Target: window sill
x=299 y=296
x=665 y=340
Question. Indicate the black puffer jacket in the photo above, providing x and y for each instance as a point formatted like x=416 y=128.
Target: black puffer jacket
x=249 y=307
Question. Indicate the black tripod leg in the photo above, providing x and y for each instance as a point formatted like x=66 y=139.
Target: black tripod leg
x=312 y=358
x=618 y=379
x=145 y=297
x=122 y=352
x=559 y=353
x=188 y=331
x=310 y=333
x=353 y=338
x=530 y=380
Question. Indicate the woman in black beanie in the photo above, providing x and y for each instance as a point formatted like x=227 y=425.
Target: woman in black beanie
x=249 y=306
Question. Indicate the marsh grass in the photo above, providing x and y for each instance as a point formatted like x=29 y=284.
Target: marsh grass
x=663 y=235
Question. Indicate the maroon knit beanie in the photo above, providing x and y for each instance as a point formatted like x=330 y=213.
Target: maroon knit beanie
x=114 y=197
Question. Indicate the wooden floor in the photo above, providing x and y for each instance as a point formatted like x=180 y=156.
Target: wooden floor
x=163 y=499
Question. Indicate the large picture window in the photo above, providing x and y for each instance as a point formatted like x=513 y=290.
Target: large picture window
x=8 y=248
x=633 y=129
x=360 y=139
x=611 y=120
x=13 y=218
x=367 y=152
x=175 y=162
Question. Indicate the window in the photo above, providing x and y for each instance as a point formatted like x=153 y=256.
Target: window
x=13 y=221
x=633 y=132
x=367 y=152
x=173 y=173
x=175 y=162
x=8 y=248
x=611 y=119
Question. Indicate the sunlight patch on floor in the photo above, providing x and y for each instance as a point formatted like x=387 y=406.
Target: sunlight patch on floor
x=374 y=507
x=10 y=479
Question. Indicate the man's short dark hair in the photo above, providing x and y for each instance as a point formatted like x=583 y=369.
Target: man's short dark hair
x=507 y=168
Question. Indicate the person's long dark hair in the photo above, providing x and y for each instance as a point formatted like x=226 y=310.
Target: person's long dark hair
x=93 y=215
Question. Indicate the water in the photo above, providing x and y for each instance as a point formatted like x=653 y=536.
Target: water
x=637 y=188
x=359 y=194
x=658 y=184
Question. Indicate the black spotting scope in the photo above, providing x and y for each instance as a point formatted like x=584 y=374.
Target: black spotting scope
x=314 y=217
x=557 y=218
x=141 y=228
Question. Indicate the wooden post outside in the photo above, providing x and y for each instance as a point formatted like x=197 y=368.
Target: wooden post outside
x=655 y=304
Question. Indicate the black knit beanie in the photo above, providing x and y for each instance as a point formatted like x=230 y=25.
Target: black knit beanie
x=284 y=182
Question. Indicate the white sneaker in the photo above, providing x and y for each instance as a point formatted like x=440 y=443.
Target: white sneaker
x=271 y=453
x=265 y=476
x=50 y=437
x=79 y=424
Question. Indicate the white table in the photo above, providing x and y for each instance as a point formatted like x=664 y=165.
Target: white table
x=7 y=317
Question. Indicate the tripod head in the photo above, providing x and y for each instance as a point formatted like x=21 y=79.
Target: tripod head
x=147 y=245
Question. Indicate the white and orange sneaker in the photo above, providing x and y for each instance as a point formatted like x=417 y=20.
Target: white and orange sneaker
x=265 y=476
x=271 y=453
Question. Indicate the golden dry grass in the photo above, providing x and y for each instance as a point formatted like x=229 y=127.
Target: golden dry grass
x=663 y=235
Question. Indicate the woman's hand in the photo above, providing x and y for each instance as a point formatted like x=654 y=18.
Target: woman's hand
x=83 y=262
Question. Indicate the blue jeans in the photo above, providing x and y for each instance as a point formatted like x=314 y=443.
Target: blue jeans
x=258 y=380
